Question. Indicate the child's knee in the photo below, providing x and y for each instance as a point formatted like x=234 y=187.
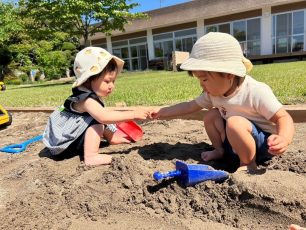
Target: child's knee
x=96 y=128
x=212 y=115
x=237 y=123
x=246 y=160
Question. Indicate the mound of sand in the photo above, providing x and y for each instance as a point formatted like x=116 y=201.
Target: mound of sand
x=38 y=191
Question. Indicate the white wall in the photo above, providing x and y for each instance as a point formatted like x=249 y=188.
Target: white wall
x=150 y=44
x=266 y=31
x=200 y=28
x=109 y=44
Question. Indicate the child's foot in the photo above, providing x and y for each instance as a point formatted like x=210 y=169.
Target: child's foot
x=119 y=140
x=97 y=159
x=252 y=167
x=211 y=155
x=242 y=168
x=296 y=227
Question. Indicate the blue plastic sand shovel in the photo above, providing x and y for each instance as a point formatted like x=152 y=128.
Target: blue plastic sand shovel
x=191 y=174
x=17 y=148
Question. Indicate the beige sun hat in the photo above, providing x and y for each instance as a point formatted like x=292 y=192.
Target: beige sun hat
x=91 y=61
x=218 y=52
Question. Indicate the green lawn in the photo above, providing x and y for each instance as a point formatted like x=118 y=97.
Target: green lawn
x=288 y=81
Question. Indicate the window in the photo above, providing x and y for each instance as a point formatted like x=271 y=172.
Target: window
x=103 y=45
x=158 y=49
x=239 y=30
x=139 y=57
x=253 y=37
x=185 y=44
x=163 y=44
x=133 y=52
x=247 y=32
x=167 y=49
x=225 y=28
x=288 y=32
x=211 y=29
x=123 y=53
x=182 y=40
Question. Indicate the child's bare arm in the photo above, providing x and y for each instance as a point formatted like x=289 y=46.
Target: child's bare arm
x=107 y=116
x=278 y=143
x=176 y=110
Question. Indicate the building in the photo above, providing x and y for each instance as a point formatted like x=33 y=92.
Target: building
x=267 y=31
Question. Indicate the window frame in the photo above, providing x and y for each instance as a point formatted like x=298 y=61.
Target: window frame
x=243 y=44
x=289 y=36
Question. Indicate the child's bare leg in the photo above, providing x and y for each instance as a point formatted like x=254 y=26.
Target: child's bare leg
x=238 y=130
x=114 y=138
x=91 y=146
x=214 y=127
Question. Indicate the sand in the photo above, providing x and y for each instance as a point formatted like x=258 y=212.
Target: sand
x=38 y=191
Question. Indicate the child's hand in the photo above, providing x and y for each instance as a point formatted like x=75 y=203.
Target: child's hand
x=155 y=113
x=277 y=144
x=141 y=114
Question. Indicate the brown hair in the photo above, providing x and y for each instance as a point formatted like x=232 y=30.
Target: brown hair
x=240 y=79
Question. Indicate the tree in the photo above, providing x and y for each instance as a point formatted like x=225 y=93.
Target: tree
x=23 y=49
x=10 y=30
x=10 y=25
x=83 y=18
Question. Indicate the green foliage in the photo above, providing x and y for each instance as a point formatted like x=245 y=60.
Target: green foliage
x=44 y=35
x=11 y=31
x=13 y=82
x=68 y=46
x=24 y=77
x=79 y=17
x=41 y=55
x=55 y=64
x=21 y=58
x=44 y=46
x=11 y=26
x=23 y=46
x=58 y=38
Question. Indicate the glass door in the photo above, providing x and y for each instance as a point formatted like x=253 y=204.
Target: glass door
x=139 y=57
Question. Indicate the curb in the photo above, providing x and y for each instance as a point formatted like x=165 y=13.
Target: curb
x=298 y=112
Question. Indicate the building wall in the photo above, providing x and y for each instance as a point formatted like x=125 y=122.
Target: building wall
x=233 y=17
x=200 y=14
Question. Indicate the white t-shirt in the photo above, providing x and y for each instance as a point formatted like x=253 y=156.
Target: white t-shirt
x=253 y=100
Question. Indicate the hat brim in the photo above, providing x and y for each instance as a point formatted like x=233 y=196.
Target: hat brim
x=231 y=67
x=120 y=63
x=85 y=76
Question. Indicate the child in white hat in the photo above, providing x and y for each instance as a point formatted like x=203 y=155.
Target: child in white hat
x=244 y=117
x=79 y=125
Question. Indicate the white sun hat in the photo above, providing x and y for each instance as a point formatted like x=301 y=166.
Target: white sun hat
x=218 y=52
x=91 y=61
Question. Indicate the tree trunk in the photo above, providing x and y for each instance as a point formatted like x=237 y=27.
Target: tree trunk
x=85 y=37
x=1 y=73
